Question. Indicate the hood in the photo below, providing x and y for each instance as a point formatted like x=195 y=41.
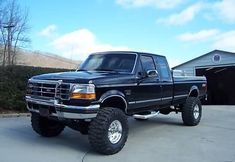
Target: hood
x=83 y=77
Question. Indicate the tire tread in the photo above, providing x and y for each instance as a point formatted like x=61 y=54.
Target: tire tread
x=98 y=129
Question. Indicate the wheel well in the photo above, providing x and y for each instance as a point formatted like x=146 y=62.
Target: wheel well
x=116 y=102
x=194 y=93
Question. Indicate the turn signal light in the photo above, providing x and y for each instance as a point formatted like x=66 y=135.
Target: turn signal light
x=87 y=96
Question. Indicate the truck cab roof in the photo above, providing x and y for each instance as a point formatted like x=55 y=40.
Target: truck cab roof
x=127 y=52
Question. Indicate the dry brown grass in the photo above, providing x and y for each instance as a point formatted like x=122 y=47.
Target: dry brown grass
x=39 y=59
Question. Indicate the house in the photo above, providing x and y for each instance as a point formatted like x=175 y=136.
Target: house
x=219 y=68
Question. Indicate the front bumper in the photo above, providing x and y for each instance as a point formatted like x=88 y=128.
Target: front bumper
x=60 y=110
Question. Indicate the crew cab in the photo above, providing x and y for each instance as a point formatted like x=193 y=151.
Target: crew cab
x=97 y=98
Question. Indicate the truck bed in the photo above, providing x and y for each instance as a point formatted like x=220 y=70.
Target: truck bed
x=184 y=85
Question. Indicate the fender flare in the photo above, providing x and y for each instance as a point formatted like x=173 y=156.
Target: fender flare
x=194 y=87
x=113 y=93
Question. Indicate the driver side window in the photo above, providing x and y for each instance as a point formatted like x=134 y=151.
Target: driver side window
x=147 y=63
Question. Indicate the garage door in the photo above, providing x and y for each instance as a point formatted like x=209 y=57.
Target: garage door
x=221 y=84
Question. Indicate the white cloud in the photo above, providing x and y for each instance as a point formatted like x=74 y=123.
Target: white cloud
x=163 y=4
x=225 y=41
x=218 y=39
x=225 y=9
x=198 y=36
x=49 y=31
x=184 y=16
x=80 y=43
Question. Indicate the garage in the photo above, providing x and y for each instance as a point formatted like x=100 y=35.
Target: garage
x=219 y=69
x=220 y=81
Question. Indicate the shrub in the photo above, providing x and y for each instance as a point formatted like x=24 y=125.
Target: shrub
x=13 y=82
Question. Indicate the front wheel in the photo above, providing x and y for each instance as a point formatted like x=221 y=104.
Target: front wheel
x=192 y=111
x=108 y=131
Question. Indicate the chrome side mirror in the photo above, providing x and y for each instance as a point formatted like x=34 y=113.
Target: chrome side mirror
x=152 y=73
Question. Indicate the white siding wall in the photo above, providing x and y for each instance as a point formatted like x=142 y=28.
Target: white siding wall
x=207 y=61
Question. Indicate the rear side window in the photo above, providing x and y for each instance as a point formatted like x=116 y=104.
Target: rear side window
x=147 y=63
x=164 y=69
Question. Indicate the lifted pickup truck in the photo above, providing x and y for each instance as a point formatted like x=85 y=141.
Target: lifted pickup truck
x=109 y=86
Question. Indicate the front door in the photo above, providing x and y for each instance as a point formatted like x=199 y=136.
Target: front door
x=148 y=91
x=166 y=80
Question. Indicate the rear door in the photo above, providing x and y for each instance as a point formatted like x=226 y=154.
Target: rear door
x=165 y=80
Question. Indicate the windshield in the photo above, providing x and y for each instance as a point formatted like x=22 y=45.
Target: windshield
x=109 y=62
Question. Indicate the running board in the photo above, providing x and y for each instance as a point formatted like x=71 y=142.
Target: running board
x=153 y=114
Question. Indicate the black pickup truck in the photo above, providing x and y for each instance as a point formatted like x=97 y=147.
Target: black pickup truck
x=109 y=86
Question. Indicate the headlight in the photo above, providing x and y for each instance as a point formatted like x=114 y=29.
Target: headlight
x=83 y=91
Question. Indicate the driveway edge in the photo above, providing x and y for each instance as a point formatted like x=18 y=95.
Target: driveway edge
x=14 y=115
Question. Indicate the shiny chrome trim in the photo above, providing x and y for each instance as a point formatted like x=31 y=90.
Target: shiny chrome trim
x=57 y=87
x=192 y=89
x=157 y=83
x=167 y=98
x=117 y=85
x=43 y=81
x=152 y=75
x=115 y=131
x=39 y=101
x=57 y=84
x=132 y=102
x=68 y=115
x=56 y=104
x=153 y=114
x=76 y=115
x=143 y=84
x=186 y=82
x=110 y=96
x=196 y=111
x=181 y=96
x=78 y=107
x=152 y=100
x=61 y=114
x=136 y=59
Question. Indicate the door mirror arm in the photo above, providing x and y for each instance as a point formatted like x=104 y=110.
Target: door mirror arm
x=141 y=76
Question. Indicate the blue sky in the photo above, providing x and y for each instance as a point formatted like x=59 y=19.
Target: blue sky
x=178 y=29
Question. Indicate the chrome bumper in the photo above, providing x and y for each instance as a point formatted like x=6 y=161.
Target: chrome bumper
x=64 y=111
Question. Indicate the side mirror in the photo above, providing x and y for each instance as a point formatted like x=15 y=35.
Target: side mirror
x=152 y=73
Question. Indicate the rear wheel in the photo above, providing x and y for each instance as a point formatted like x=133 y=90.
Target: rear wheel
x=108 y=131
x=46 y=127
x=192 y=111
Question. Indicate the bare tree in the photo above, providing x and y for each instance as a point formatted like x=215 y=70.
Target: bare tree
x=1 y=37
x=14 y=29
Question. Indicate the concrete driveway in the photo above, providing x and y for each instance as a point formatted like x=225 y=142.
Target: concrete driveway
x=162 y=139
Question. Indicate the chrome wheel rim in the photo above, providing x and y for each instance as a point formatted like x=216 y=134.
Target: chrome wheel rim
x=196 y=111
x=115 y=132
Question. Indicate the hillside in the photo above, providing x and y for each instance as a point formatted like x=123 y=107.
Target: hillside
x=40 y=59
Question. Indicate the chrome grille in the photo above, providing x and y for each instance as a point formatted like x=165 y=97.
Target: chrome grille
x=63 y=91
x=50 y=89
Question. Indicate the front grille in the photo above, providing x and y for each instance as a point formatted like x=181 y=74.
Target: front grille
x=49 y=89
x=63 y=91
